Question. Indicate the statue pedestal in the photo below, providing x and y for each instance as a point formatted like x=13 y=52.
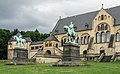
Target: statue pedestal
x=71 y=56
x=71 y=52
x=20 y=54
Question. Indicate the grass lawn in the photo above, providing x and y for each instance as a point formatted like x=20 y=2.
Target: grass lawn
x=94 y=68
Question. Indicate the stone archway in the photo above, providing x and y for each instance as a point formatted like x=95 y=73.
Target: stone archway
x=48 y=52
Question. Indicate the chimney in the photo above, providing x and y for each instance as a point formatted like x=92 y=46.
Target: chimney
x=50 y=33
x=59 y=17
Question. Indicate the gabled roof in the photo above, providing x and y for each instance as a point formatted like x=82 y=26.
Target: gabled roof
x=51 y=38
x=38 y=42
x=28 y=39
x=84 y=19
x=115 y=12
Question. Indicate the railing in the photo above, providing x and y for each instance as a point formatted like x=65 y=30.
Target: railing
x=101 y=57
x=113 y=57
x=59 y=50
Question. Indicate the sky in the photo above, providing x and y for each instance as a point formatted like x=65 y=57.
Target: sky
x=44 y=14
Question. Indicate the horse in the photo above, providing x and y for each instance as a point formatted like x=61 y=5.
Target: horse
x=70 y=32
x=19 y=40
x=23 y=41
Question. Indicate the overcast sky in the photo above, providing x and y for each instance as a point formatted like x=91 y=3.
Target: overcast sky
x=44 y=14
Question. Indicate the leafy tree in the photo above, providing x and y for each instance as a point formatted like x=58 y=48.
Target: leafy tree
x=36 y=31
x=15 y=31
x=4 y=37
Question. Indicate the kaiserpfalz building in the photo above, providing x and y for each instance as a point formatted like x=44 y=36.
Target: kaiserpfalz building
x=97 y=32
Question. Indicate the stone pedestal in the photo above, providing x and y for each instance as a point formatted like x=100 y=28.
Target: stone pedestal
x=71 y=56
x=71 y=52
x=20 y=54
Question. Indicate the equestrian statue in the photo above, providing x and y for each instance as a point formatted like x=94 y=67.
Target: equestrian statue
x=70 y=30
x=20 y=41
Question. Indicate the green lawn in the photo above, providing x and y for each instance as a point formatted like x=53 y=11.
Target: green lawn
x=94 y=68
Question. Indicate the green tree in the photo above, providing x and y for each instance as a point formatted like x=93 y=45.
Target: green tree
x=4 y=37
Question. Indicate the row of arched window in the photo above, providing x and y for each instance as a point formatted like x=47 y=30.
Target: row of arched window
x=102 y=27
x=105 y=37
x=80 y=40
x=102 y=17
x=102 y=37
x=85 y=40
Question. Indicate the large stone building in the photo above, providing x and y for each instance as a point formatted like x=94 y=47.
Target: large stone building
x=97 y=32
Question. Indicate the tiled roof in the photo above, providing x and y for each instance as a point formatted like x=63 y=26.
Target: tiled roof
x=51 y=38
x=38 y=42
x=84 y=19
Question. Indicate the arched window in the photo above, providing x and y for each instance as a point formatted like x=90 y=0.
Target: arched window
x=68 y=39
x=50 y=44
x=99 y=18
x=81 y=40
x=105 y=17
x=85 y=40
x=88 y=41
x=99 y=28
x=117 y=36
x=97 y=37
x=64 y=40
x=56 y=45
x=102 y=37
x=48 y=52
x=61 y=42
x=102 y=17
x=107 y=36
x=102 y=27
x=77 y=39
x=106 y=27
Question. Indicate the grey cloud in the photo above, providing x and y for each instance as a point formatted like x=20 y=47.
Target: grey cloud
x=43 y=14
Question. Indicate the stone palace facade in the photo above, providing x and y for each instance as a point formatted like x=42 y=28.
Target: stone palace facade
x=97 y=32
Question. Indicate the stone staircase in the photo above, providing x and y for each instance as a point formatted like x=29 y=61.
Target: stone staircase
x=113 y=57
x=101 y=57
x=104 y=58
x=59 y=50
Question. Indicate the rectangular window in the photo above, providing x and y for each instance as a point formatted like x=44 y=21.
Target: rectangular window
x=46 y=45
x=32 y=48
x=50 y=44
x=36 y=47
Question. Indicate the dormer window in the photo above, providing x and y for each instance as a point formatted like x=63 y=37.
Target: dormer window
x=56 y=31
x=86 y=26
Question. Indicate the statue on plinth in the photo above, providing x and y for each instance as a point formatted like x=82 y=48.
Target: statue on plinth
x=71 y=32
x=20 y=41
